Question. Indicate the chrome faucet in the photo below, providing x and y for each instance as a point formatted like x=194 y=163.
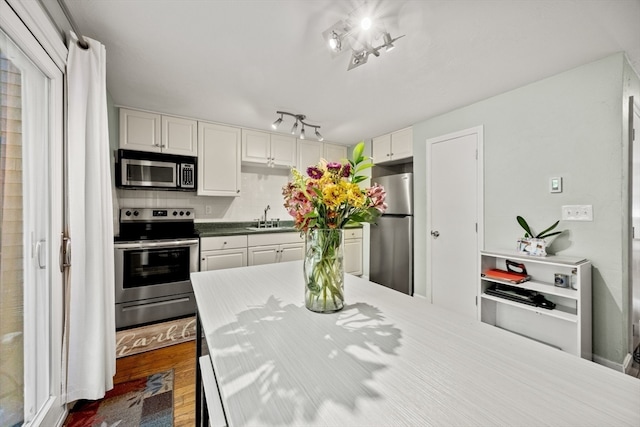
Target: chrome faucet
x=265 y=213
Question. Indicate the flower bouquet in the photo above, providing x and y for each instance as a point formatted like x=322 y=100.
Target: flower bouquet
x=322 y=203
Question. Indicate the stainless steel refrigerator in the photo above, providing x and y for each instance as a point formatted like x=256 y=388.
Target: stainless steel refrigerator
x=391 y=250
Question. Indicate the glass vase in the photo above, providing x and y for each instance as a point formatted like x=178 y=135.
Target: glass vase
x=324 y=270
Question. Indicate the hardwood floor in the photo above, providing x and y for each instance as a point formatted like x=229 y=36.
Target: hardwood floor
x=182 y=359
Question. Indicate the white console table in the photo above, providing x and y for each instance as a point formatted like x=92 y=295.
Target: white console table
x=386 y=359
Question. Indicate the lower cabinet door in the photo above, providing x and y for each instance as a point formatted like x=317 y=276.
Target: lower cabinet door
x=219 y=260
x=353 y=256
x=259 y=255
x=291 y=252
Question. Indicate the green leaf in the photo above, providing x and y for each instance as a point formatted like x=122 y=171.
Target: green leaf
x=543 y=234
x=357 y=179
x=363 y=167
x=524 y=225
x=357 y=152
x=549 y=235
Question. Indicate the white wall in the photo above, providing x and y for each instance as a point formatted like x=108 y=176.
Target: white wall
x=568 y=125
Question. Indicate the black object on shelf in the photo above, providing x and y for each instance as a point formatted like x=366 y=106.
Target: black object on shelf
x=524 y=296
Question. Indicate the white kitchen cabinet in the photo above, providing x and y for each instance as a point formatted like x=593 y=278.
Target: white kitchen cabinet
x=393 y=146
x=140 y=130
x=218 y=160
x=335 y=152
x=567 y=326
x=153 y=132
x=179 y=136
x=269 y=248
x=310 y=152
x=353 y=251
x=217 y=253
x=266 y=149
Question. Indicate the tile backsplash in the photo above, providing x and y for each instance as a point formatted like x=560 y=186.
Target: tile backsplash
x=260 y=187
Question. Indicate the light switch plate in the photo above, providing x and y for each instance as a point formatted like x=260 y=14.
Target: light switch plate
x=555 y=184
x=577 y=213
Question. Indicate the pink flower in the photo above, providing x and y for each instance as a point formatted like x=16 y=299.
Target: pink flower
x=334 y=166
x=377 y=196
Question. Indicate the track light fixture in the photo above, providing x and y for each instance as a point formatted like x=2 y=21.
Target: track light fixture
x=275 y=124
x=358 y=33
x=300 y=118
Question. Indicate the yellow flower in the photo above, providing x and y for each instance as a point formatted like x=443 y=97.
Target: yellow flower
x=334 y=195
x=355 y=196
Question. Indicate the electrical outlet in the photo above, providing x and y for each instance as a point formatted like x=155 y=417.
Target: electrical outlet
x=208 y=209
x=577 y=213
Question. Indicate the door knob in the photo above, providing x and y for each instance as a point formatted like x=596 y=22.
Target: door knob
x=435 y=234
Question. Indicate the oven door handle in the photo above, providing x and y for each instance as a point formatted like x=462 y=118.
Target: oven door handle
x=144 y=245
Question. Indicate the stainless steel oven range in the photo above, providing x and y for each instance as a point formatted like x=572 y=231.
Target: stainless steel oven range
x=154 y=256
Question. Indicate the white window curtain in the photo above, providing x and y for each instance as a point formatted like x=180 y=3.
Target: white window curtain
x=91 y=310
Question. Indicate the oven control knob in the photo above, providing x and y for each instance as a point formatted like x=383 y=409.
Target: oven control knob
x=136 y=213
x=181 y=213
x=188 y=213
x=128 y=213
x=175 y=213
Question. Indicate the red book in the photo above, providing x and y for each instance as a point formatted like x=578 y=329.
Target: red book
x=507 y=276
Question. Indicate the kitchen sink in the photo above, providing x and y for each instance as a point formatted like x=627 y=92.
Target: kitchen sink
x=271 y=228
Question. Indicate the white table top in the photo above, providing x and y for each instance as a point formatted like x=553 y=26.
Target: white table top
x=388 y=359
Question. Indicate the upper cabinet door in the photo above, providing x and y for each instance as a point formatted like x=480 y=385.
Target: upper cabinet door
x=335 y=153
x=140 y=130
x=256 y=147
x=381 y=148
x=218 y=160
x=283 y=150
x=402 y=144
x=309 y=154
x=393 y=146
x=179 y=136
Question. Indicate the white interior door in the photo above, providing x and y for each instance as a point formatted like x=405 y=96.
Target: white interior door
x=453 y=221
x=30 y=223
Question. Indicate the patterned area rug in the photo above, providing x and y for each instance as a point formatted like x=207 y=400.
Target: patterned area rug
x=144 y=402
x=151 y=337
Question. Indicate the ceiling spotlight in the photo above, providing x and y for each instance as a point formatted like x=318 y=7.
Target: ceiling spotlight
x=388 y=42
x=360 y=35
x=275 y=124
x=334 y=42
x=357 y=59
x=300 y=118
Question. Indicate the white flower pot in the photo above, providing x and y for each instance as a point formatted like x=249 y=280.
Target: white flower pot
x=531 y=246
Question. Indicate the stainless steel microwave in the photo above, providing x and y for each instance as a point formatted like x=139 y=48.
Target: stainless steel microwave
x=142 y=170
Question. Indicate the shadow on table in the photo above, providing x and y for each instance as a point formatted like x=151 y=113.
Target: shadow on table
x=279 y=364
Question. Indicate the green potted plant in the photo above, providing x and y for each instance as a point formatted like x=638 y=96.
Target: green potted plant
x=534 y=244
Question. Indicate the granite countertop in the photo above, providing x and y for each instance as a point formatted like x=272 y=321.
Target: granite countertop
x=213 y=229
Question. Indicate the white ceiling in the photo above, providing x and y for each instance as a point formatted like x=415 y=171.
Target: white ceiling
x=237 y=62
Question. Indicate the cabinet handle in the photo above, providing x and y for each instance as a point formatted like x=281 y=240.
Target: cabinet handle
x=237 y=191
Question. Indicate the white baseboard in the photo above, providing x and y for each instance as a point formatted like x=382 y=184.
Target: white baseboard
x=627 y=363
x=609 y=364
